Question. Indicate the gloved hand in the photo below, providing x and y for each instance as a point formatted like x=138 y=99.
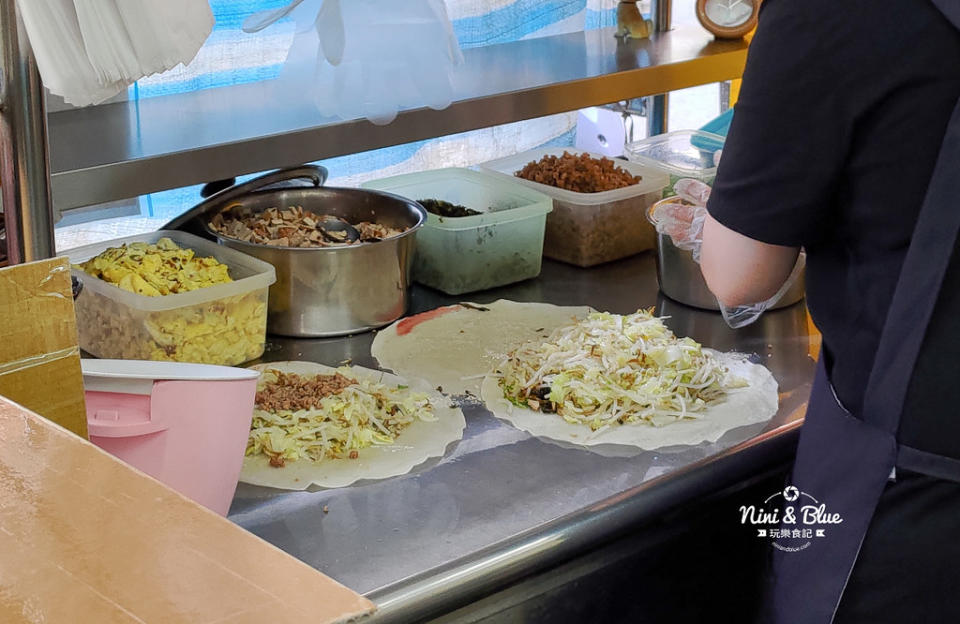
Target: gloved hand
x=682 y=220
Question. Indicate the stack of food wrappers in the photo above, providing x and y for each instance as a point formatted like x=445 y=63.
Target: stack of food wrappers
x=90 y=50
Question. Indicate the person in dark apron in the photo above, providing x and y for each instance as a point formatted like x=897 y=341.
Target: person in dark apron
x=846 y=142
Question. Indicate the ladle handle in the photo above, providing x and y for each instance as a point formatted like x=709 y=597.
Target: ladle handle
x=314 y=173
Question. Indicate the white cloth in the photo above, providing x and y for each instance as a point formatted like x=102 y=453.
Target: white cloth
x=90 y=50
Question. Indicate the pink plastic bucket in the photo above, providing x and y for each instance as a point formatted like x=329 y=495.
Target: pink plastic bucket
x=183 y=424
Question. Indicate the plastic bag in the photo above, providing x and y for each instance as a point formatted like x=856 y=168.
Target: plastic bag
x=683 y=222
x=89 y=50
x=370 y=58
x=106 y=41
x=54 y=32
x=167 y=33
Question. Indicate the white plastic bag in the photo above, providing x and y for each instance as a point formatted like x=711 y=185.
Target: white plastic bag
x=89 y=50
x=165 y=33
x=54 y=32
x=370 y=58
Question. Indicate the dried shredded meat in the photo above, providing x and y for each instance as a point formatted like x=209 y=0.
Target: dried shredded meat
x=294 y=392
x=581 y=174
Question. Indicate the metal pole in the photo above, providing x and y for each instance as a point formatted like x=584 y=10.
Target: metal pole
x=24 y=156
x=657 y=105
x=662 y=15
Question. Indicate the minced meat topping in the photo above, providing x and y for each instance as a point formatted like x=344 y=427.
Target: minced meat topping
x=294 y=392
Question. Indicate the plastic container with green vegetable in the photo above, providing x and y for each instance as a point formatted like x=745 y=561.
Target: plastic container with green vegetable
x=501 y=245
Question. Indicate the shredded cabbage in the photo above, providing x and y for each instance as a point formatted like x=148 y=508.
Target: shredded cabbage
x=362 y=414
x=609 y=369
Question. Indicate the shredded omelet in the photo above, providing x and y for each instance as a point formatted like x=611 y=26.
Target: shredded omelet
x=155 y=270
x=227 y=331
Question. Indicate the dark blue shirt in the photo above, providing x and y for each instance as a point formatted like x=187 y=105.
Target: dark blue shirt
x=839 y=123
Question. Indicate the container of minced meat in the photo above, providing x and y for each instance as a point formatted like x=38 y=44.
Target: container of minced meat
x=500 y=245
x=586 y=229
x=121 y=315
x=680 y=154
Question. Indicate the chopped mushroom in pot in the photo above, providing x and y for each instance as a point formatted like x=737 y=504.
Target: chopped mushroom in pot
x=296 y=227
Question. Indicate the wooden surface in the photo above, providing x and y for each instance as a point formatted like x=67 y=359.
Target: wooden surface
x=85 y=538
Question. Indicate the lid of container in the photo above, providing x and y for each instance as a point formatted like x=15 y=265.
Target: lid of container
x=162 y=371
x=685 y=153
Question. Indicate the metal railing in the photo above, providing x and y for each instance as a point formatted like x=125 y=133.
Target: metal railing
x=24 y=159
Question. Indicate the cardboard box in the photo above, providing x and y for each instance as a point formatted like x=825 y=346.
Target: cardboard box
x=86 y=538
x=39 y=356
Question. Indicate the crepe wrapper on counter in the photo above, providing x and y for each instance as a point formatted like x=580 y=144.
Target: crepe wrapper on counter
x=757 y=403
x=453 y=347
x=39 y=356
x=417 y=443
x=86 y=538
x=456 y=346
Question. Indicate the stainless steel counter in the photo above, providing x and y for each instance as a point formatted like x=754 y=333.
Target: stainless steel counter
x=502 y=504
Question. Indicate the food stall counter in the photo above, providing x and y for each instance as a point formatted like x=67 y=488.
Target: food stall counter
x=502 y=504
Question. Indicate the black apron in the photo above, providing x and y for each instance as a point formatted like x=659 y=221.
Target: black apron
x=845 y=461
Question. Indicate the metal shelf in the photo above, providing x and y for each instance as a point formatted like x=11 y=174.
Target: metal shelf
x=126 y=149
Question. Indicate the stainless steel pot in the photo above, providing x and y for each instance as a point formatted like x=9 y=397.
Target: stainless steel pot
x=681 y=280
x=330 y=291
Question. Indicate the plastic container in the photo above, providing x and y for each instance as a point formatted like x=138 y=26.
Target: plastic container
x=223 y=324
x=586 y=229
x=465 y=254
x=680 y=154
x=719 y=125
x=186 y=425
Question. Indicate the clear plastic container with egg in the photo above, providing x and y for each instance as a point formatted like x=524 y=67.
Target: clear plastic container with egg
x=220 y=323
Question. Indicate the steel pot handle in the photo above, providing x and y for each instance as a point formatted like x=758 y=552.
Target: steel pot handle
x=314 y=173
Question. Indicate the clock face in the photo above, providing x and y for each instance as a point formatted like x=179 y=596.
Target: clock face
x=729 y=13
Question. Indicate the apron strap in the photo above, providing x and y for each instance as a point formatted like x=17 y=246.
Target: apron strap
x=930 y=464
x=950 y=10
x=918 y=286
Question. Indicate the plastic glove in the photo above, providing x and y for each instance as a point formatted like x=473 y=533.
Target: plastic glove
x=367 y=57
x=741 y=316
x=331 y=31
x=261 y=19
x=683 y=223
x=683 y=220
